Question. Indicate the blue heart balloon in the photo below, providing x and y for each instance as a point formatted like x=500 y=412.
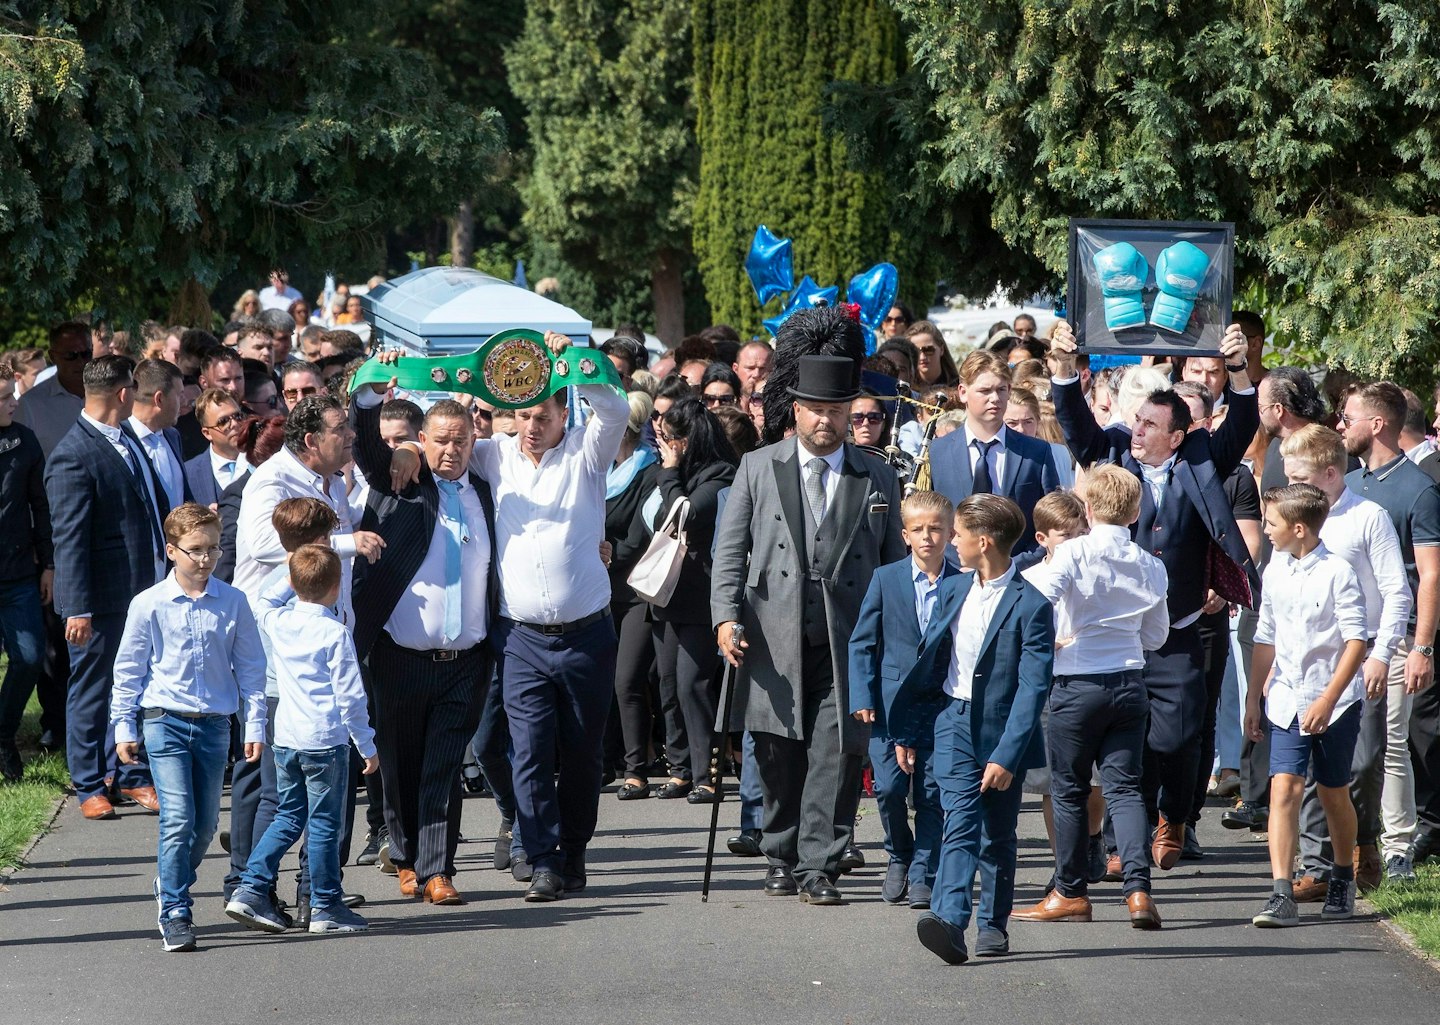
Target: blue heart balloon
x=874 y=292
x=807 y=295
x=768 y=265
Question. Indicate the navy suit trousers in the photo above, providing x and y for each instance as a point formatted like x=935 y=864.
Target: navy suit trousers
x=919 y=849
x=557 y=692
x=1175 y=683
x=89 y=738
x=979 y=829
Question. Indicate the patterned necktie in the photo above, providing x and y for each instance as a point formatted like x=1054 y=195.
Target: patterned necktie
x=454 y=521
x=983 y=484
x=815 y=487
x=139 y=466
x=1156 y=478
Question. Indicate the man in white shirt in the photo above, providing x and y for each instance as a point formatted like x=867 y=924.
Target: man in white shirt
x=157 y=406
x=53 y=405
x=279 y=294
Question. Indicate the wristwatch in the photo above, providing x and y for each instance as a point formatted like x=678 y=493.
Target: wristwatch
x=1235 y=368
x=1428 y=650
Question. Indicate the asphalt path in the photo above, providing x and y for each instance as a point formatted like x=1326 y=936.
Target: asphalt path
x=78 y=943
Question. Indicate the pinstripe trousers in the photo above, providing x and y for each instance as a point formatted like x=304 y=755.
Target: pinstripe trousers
x=425 y=714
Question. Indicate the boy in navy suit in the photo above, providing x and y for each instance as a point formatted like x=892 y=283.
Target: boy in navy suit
x=893 y=619
x=987 y=657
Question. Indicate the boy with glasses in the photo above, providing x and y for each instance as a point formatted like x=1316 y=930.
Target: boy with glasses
x=189 y=658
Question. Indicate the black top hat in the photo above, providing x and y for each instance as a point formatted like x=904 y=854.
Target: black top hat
x=826 y=379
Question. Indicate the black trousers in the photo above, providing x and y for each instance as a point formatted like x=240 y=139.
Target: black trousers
x=426 y=713
x=1425 y=758
x=677 y=742
x=1175 y=684
x=634 y=661
x=688 y=655
x=54 y=678
x=374 y=783
x=811 y=787
x=1215 y=642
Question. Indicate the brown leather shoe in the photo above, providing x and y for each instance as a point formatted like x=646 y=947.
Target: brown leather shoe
x=145 y=797
x=1310 y=890
x=1169 y=841
x=1369 y=871
x=97 y=807
x=439 y=891
x=409 y=886
x=1056 y=907
x=1114 y=869
x=1142 y=911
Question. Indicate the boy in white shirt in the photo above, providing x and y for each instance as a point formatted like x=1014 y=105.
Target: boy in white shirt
x=322 y=710
x=1309 y=644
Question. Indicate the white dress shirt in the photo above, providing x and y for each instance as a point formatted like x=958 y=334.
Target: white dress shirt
x=550 y=518
x=1362 y=533
x=271 y=299
x=322 y=701
x=1421 y=451
x=1309 y=609
x=223 y=477
x=968 y=632
x=50 y=411
x=834 y=463
x=418 y=621
x=257 y=546
x=163 y=458
x=1109 y=598
x=997 y=457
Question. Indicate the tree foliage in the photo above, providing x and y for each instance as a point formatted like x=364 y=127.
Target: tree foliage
x=1311 y=126
x=606 y=89
x=151 y=143
x=767 y=154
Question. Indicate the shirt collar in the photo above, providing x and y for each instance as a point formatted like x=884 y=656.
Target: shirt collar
x=1384 y=471
x=311 y=608
x=1110 y=531
x=970 y=438
x=835 y=460
x=141 y=431
x=1000 y=582
x=113 y=433
x=1162 y=470
x=217 y=460
x=171 y=589
x=920 y=576
x=1308 y=562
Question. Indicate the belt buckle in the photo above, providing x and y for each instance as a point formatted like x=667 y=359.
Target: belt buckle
x=446 y=655
x=552 y=629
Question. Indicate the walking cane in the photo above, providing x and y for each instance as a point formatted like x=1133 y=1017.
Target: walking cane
x=727 y=695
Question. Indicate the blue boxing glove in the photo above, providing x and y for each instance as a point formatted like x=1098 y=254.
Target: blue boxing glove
x=1122 y=272
x=1179 y=272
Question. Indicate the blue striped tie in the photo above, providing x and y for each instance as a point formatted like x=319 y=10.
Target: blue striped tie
x=453 y=519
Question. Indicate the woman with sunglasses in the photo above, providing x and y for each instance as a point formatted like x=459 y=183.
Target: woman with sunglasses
x=719 y=387
x=697 y=463
x=869 y=426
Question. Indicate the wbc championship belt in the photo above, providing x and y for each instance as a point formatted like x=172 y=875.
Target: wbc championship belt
x=514 y=369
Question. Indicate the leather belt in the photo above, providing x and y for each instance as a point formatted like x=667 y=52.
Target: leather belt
x=157 y=713
x=557 y=629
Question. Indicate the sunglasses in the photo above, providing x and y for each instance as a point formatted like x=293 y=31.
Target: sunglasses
x=894 y=320
x=757 y=398
x=483 y=414
x=292 y=394
x=861 y=419
x=718 y=400
x=226 y=421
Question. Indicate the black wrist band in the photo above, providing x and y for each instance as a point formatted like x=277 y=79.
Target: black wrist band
x=1235 y=369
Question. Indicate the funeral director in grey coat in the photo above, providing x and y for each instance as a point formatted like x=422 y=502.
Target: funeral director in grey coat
x=816 y=517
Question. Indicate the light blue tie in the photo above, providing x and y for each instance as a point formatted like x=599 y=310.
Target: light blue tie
x=454 y=520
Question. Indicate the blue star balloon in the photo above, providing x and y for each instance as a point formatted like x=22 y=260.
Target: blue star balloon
x=807 y=295
x=874 y=292
x=768 y=265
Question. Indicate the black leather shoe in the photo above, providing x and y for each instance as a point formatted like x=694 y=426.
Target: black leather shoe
x=352 y=900
x=820 y=890
x=546 y=885
x=1191 y=850
x=12 y=768
x=632 y=791
x=779 y=882
x=670 y=790
x=48 y=741
x=573 y=874
x=851 y=858
x=472 y=779
x=1095 y=860
x=745 y=844
x=504 y=837
x=897 y=882
x=520 y=869
x=991 y=942
x=703 y=795
x=1244 y=816
x=225 y=840
x=937 y=936
x=920 y=897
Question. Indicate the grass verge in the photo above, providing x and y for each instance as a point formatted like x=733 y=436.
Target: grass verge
x=26 y=807
x=1415 y=907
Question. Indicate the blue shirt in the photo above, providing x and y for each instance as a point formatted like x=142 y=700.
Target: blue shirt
x=183 y=654
x=926 y=592
x=322 y=701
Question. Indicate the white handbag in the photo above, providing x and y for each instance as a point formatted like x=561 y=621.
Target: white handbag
x=658 y=570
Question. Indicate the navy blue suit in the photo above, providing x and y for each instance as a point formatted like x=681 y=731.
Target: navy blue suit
x=1193 y=533
x=1000 y=723
x=200 y=479
x=883 y=647
x=1029 y=474
x=105 y=553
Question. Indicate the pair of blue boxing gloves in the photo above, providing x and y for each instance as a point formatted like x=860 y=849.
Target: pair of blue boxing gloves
x=1122 y=272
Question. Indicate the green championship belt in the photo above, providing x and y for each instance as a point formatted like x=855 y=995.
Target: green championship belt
x=514 y=369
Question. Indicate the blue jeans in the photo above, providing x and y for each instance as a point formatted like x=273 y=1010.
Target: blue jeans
x=187 y=762
x=311 y=786
x=23 y=632
x=752 y=800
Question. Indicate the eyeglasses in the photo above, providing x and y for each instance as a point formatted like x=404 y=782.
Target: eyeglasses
x=861 y=419
x=293 y=394
x=226 y=421
x=1347 y=421
x=200 y=555
x=483 y=414
x=718 y=400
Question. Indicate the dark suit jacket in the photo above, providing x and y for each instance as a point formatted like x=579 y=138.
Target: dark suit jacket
x=1012 y=675
x=406 y=520
x=1029 y=476
x=192 y=438
x=1203 y=463
x=886 y=640
x=200 y=479
x=229 y=511
x=104 y=547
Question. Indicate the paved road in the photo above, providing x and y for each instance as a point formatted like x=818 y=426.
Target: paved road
x=78 y=943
